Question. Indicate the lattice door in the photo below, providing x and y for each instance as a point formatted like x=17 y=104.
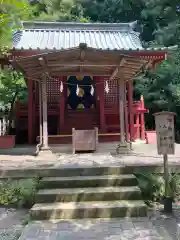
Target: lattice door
x=111 y=99
x=53 y=90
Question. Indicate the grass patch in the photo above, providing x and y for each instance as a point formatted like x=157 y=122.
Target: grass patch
x=19 y=193
x=152 y=186
x=27 y=219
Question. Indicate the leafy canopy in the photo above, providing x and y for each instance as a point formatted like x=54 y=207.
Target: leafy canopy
x=11 y=14
x=12 y=86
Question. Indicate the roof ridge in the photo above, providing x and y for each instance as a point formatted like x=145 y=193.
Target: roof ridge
x=76 y=30
x=77 y=25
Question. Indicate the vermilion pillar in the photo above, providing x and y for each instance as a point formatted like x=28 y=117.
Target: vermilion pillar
x=30 y=111
x=137 y=126
x=130 y=106
x=142 y=119
x=100 y=95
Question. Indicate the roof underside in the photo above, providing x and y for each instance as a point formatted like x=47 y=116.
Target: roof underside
x=81 y=61
x=54 y=35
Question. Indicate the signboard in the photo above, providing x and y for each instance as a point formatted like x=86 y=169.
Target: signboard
x=165 y=132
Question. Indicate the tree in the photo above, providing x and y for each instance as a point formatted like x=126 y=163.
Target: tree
x=12 y=84
x=11 y=14
x=164 y=17
x=58 y=10
x=12 y=87
x=161 y=88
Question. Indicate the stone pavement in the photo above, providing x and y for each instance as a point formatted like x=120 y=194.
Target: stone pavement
x=11 y=223
x=142 y=154
x=117 y=229
x=155 y=227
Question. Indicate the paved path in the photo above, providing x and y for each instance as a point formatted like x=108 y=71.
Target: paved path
x=11 y=223
x=155 y=227
x=136 y=229
x=142 y=154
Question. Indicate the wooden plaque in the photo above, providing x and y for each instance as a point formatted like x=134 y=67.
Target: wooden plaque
x=165 y=132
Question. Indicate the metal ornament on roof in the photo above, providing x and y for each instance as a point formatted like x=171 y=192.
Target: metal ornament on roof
x=77 y=90
x=106 y=87
x=92 y=90
x=61 y=87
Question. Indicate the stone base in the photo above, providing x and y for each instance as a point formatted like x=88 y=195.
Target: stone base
x=124 y=148
x=178 y=230
x=42 y=148
x=45 y=153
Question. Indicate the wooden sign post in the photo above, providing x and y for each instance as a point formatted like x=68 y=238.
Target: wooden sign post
x=164 y=122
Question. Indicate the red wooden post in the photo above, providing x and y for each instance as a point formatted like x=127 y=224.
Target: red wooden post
x=137 y=127
x=100 y=94
x=30 y=111
x=142 y=119
x=62 y=105
x=130 y=106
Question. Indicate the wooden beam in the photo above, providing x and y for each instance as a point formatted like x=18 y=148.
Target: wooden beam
x=44 y=64
x=149 y=65
x=128 y=71
x=85 y=64
x=116 y=71
x=68 y=73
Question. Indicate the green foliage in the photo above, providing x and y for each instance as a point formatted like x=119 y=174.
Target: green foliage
x=12 y=86
x=152 y=186
x=161 y=88
x=58 y=10
x=19 y=193
x=11 y=14
x=27 y=219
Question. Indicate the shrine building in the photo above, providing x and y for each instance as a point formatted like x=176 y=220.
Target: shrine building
x=80 y=75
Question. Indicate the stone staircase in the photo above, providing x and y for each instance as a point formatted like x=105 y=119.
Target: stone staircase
x=101 y=192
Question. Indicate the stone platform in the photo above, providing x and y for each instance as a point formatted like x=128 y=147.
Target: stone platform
x=142 y=155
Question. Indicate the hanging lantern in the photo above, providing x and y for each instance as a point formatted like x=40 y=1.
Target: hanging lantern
x=106 y=87
x=77 y=90
x=92 y=90
x=61 y=87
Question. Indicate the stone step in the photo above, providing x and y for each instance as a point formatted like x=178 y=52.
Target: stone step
x=88 y=181
x=50 y=171
x=88 y=194
x=74 y=210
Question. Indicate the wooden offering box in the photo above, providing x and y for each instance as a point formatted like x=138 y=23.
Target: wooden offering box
x=84 y=140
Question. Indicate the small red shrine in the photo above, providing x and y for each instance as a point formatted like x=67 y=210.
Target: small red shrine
x=81 y=74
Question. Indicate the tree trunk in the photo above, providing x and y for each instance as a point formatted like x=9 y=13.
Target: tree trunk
x=10 y=115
